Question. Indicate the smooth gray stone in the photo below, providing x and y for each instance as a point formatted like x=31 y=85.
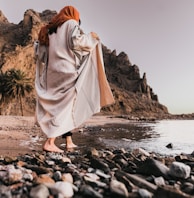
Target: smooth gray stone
x=57 y=176
x=40 y=191
x=63 y=188
x=180 y=170
x=138 y=181
x=153 y=167
x=118 y=188
x=144 y=193
x=88 y=191
x=159 y=181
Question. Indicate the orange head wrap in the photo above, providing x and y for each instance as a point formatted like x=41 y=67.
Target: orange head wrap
x=67 y=13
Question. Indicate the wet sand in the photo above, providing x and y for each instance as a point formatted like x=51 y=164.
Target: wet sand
x=19 y=135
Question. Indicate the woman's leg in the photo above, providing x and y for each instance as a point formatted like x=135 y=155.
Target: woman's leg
x=69 y=141
x=50 y=146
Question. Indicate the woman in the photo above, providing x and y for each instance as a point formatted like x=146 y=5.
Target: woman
x=70 y=82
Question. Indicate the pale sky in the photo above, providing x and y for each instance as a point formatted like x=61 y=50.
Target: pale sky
x=157 y=35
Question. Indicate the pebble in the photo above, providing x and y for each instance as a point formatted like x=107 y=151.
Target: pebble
x=179 y=169
x=64 y=189
x=88 y=191
x=153 y=167
x=40 y=191
x=57 y=176
x=159 y=181
x=67 y=177
x=118 y=188
x=144 y=193
x=170 y=146
x=97 y=173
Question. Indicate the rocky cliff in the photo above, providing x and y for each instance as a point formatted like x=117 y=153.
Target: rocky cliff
x=132 y=93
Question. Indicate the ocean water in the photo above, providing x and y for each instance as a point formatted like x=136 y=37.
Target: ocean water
x=178 y=132
x=152 y=136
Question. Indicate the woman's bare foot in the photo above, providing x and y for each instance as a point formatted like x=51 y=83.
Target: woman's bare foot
x=51 y=147
x=69 y=146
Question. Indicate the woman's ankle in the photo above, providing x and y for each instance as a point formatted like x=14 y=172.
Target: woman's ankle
x=69 y=142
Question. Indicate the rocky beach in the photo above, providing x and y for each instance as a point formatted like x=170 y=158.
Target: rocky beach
x=91 y=170
x=94 y=169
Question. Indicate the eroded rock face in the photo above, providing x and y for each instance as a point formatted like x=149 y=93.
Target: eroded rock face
x=24 y=33
x=121 y=72
x=3 y=19
x=132 y=93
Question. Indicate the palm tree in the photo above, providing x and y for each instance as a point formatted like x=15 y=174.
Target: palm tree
x=4 y=97
x=15 y=85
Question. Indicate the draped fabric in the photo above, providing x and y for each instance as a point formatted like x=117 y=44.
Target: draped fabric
x=70 y=80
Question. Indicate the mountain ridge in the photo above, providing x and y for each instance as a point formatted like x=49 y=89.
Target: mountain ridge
x=132 y=93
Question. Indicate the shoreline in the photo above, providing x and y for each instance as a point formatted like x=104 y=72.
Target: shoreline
x=89 y=170
x=20 y=134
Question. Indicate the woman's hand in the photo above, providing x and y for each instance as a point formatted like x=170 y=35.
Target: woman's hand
x=94 y=35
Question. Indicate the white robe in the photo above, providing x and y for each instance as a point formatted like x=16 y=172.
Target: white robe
x=70 y=80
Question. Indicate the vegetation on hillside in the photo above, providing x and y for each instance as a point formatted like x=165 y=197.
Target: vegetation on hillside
x=14 y=84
